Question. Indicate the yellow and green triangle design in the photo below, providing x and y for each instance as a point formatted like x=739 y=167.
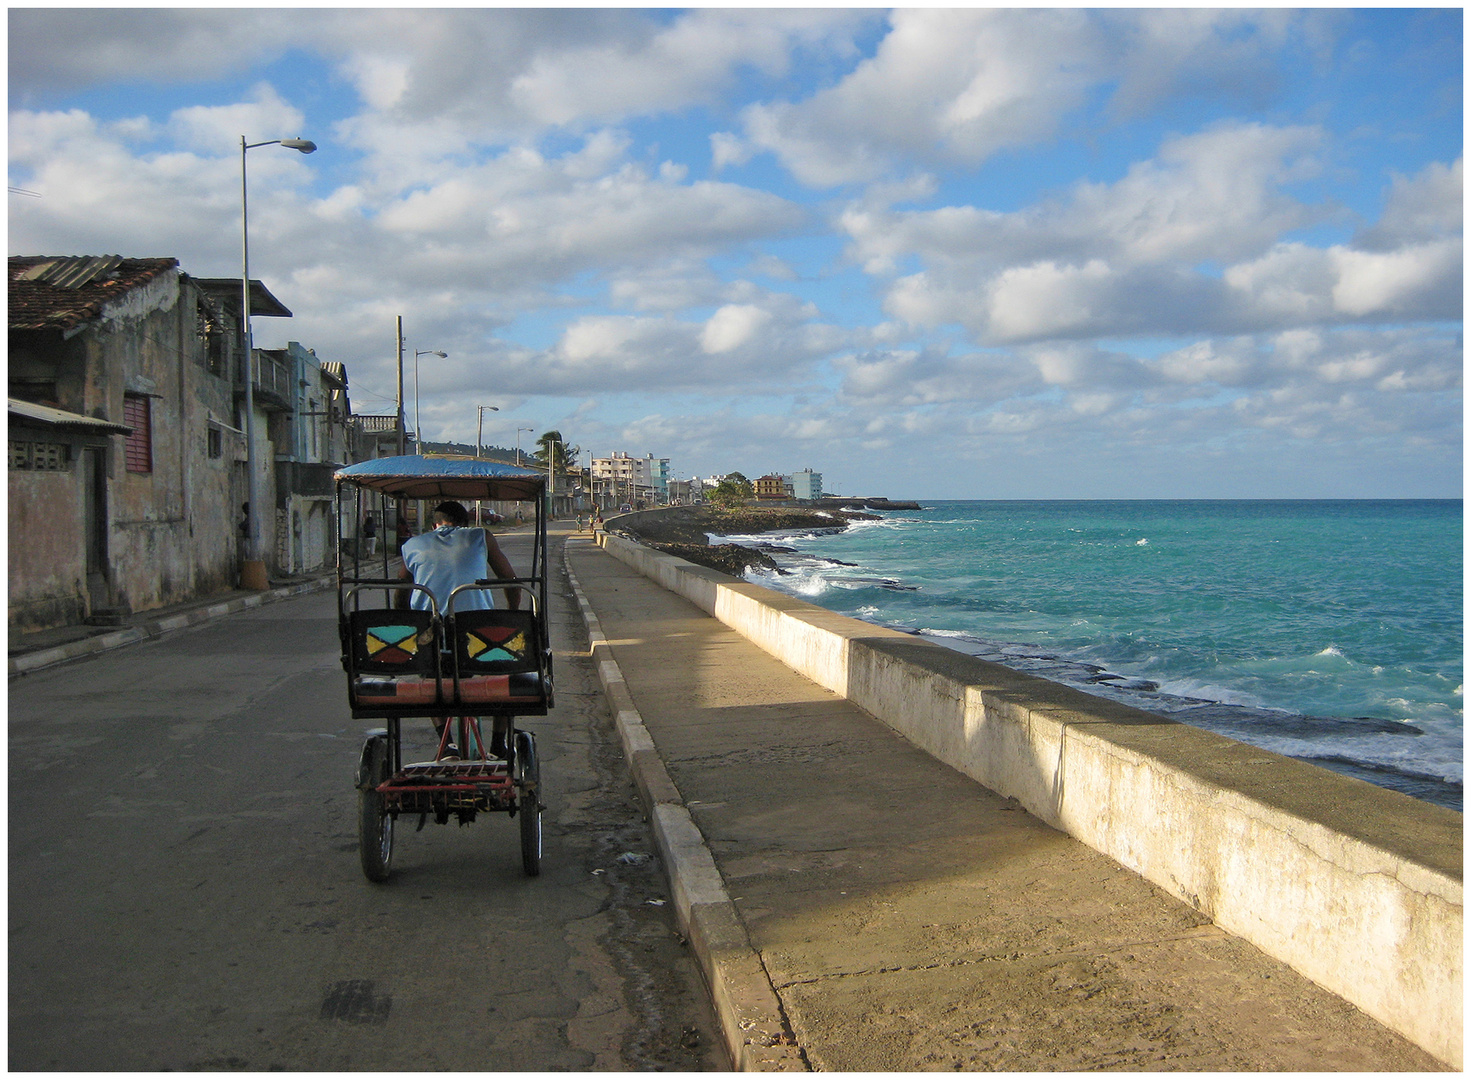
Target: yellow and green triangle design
x=490 y=644
x=391 y=644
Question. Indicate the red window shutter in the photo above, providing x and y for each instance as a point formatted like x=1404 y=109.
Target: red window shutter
x=140 y=443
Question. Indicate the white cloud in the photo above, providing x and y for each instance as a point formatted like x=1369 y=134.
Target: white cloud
x=727 y=149
x=733 y=326
x=58 y=48
x=1048 y=300
x=956 y=86
x=1297 y=283
x=1428 y=206
x=209 y=129
x=1419 y=280
x=1133 y=258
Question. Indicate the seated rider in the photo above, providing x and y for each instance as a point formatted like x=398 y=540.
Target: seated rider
x=448 y=556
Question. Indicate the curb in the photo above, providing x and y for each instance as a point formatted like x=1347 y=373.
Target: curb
x=750 y=1015
x=26 y=663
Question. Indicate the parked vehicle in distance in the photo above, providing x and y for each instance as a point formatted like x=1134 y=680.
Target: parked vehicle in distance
x=625 y=509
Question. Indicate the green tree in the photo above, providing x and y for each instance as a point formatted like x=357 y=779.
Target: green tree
x=732 y=491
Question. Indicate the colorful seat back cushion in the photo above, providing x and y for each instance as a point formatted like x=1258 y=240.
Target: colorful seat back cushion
x=498 y=642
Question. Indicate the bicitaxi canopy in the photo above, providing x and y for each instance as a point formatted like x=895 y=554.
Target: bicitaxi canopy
x=413 y=477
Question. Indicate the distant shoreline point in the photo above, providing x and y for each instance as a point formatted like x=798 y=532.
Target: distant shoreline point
x=684 y=531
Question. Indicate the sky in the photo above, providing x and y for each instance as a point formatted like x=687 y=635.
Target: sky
x=973 y=253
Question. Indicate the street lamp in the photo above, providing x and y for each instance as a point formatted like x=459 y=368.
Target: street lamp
x=253 y=568
x=479 y=420
x=551 y=478
x=418 y=440
x=518 y=441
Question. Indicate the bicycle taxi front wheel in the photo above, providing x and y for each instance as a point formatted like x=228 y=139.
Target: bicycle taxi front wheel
x=375 y=825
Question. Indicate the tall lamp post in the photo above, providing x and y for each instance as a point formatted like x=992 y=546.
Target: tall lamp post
x=518 y=441
x=551 y=478
x=480 y=420
x=418 y=441
x=253 y=568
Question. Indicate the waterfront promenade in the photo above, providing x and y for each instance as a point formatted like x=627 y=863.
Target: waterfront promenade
x=858 y=905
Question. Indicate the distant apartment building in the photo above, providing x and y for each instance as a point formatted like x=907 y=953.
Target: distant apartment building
x=621 y=478
x=806 y=484
x=660 y=475
x=771 y=486
x=618 y=479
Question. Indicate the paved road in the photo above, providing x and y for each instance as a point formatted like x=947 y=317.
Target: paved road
x=185 y=891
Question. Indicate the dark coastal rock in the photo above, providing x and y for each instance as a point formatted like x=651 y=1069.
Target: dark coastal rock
x=685 y=531
x=732 y=559
x=690 y=524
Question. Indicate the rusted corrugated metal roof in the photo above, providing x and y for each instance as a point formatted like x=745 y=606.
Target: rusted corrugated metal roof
x=74 y=271
x=62 y=292
x=262 y=302
x=335 y=371
x=45 y=414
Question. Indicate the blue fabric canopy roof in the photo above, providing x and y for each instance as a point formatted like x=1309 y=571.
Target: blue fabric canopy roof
x=414 y=477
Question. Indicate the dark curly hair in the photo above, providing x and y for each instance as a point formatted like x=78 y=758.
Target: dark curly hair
x=453 y=514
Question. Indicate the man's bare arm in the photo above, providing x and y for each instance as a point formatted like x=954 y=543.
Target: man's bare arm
x=503 y=569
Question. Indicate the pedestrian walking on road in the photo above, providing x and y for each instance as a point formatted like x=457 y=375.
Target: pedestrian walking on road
x=370 y=533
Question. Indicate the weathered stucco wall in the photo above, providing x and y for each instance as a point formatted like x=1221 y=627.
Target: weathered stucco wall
x=48 y=560
x=140 y=347
x=1357 y=887
x=170 y=531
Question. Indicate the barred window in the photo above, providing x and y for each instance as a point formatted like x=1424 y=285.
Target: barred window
x=137 y=415
x=49 y=457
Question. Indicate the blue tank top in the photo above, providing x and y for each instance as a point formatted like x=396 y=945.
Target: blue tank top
x=444 y=559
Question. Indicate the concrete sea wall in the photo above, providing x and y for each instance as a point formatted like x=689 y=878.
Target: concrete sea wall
x=1356 y=887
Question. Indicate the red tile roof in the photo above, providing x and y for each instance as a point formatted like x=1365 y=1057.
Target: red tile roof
x=60 y=292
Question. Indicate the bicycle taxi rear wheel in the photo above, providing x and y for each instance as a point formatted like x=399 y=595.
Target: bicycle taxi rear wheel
x=375 y=825
x=528 y=783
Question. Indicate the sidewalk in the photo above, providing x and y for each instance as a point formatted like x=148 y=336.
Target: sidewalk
x=858 y=906
x=42 y=648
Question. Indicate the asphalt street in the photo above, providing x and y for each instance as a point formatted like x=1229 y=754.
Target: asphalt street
x=185 y=891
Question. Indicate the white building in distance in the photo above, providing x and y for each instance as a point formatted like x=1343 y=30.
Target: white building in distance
x=623 y=479
x=806 y=485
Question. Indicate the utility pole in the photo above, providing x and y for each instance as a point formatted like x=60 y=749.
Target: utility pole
x=400 y=415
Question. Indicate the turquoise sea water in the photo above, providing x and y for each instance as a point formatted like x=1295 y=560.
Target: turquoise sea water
x=1326 y=630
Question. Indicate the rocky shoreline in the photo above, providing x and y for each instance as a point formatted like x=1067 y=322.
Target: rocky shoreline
x=683 y=531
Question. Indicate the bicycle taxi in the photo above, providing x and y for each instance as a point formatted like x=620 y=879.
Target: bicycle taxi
x=462 y=665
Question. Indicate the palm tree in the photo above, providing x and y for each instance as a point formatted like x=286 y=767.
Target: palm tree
x=551 y=443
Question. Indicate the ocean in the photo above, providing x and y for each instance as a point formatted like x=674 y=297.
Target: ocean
x=1329 y=631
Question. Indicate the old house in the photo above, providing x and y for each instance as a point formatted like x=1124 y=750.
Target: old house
x=311 y=441
x=127 y=452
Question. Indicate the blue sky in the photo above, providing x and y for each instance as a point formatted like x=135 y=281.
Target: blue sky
x=963 y=253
